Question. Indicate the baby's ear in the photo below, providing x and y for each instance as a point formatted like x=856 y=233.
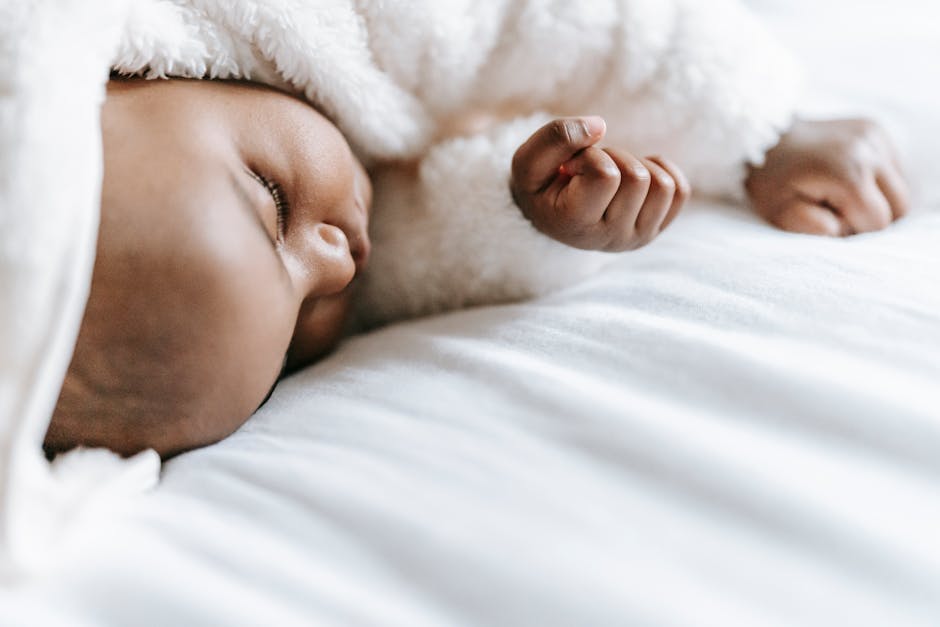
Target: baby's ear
x=536 y=161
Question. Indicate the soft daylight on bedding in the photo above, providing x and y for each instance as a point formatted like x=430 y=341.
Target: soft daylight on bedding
x=604 y=312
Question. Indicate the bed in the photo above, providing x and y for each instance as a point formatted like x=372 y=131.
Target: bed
x=734 y=426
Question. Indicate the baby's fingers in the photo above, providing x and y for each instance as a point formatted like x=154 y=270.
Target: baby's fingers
x=536 y=162
x=619 y=219
x=651 y=193
x=585 y=189
x=892 y=184
x=856 y=199
x=803 y=216
x=659 y=201
x=865 y=207
x=683 y=189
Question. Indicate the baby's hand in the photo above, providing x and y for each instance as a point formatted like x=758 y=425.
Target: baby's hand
x=593 y=198
x=832 y=178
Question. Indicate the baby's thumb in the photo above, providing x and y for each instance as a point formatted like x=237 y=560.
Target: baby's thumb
x=536 y=162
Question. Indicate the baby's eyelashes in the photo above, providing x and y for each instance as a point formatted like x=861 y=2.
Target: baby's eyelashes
x=281 y=204
x=280 y=200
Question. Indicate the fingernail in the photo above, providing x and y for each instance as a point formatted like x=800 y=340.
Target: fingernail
x=594 y=125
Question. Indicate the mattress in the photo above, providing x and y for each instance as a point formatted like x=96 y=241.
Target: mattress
x=733 y=426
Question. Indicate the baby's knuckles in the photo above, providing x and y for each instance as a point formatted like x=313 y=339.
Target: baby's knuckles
x=638 y=175
x=664 y=182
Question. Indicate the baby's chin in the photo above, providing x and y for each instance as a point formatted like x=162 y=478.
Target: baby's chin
x=322 y=324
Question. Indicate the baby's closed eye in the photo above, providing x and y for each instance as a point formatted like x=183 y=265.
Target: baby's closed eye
x=281 y=202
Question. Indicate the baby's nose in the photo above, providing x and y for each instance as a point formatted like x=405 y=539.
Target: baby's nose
x=328 y=261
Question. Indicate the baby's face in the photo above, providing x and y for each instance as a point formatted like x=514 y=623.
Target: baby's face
x=233 y=219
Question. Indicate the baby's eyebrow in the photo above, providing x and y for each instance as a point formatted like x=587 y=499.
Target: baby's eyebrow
x=248 y=205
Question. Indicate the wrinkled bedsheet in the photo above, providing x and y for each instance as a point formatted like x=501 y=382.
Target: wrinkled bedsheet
x=734 y=426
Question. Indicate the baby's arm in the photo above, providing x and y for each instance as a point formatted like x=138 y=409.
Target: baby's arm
x=458 y=230
x=700 y=82
x=447 y=234
x=703 y=83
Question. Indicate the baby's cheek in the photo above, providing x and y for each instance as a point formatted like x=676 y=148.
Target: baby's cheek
x=248 y=308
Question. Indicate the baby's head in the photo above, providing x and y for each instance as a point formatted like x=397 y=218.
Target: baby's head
x=233 y=219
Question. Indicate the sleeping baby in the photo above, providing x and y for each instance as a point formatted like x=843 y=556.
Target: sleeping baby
x=235 y=229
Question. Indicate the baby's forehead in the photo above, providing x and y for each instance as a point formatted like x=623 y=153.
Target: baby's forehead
x=282 y=131
x=267 y=108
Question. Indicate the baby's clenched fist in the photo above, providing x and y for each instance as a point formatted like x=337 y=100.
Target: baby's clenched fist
x=593 y=198
x=834 y=177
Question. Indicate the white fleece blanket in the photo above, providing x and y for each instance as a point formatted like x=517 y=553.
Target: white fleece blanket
x=735 y=426
x=50 y=169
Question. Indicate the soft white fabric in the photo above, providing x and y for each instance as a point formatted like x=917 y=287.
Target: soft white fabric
x=392 y=74
x=735 y=426
x=670 y=76
x=688 y=439
x=53 y=65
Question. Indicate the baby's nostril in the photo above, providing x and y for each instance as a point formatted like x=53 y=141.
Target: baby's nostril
x=332 y=235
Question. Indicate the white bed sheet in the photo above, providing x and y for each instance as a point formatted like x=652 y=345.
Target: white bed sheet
x=735 y=426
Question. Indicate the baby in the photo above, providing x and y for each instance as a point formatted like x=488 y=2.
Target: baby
x=234 y=219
